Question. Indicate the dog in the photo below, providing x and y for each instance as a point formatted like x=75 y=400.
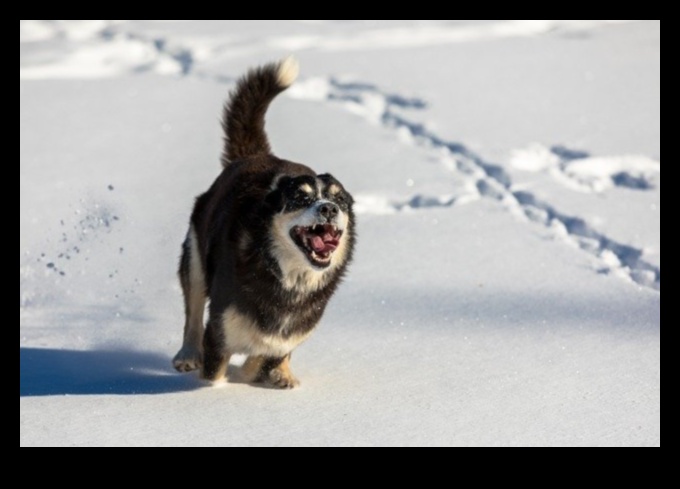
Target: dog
x=268 y=244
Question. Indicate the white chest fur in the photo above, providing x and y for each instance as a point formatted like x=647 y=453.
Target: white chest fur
x=243 y=336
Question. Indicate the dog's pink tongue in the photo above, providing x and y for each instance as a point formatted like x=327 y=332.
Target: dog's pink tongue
x=317 y=244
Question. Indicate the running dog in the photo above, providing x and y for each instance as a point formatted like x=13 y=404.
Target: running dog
x=267 y=246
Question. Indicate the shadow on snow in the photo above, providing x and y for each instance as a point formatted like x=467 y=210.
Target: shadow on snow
x=46 y=372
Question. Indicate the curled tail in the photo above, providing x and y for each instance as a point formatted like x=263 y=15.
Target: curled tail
x=243 y=117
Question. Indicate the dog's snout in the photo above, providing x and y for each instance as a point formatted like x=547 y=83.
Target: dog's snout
x=328 y=210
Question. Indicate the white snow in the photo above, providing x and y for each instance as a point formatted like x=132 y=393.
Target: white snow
x=506 y=287
x=580 y=171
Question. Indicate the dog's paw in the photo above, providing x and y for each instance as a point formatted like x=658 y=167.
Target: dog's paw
x=187 y=359
x=282 y=379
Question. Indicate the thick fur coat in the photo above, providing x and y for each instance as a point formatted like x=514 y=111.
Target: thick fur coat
x=267 y=246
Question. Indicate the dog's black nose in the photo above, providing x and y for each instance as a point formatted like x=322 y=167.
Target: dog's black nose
x=328 y=210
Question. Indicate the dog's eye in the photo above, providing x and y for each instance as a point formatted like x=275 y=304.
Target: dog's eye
x=303 y=196
x=343 y=200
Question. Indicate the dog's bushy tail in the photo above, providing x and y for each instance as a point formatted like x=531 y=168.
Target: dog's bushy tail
x=243 y=117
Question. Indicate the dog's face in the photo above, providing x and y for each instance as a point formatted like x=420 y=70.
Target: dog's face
x=311 y=226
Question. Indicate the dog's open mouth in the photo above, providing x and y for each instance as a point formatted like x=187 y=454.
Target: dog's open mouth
x=317 y=242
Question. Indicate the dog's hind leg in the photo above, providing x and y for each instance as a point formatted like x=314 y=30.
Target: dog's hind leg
x=192 y=278
x=270 y=370
x=250 y=370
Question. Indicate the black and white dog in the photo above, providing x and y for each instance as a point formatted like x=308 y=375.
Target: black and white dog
x=267 y=245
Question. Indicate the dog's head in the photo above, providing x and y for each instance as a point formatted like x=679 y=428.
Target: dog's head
x=312 y=228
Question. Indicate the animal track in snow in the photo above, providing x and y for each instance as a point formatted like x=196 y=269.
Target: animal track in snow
x=98 y=49
x=376 y=204
x=103 y=48
x=108 y=50
x=616 y=257
x=580 y=171
x=492 y=181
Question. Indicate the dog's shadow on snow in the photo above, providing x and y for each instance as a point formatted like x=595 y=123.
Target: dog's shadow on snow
x=49 y=372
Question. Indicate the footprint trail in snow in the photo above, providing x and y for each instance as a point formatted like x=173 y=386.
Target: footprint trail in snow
x=484 y=179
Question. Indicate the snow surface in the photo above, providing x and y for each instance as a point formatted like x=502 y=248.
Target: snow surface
x=506 y=287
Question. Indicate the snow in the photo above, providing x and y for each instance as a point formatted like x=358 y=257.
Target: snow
x=580 y=171
x=506 y=286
